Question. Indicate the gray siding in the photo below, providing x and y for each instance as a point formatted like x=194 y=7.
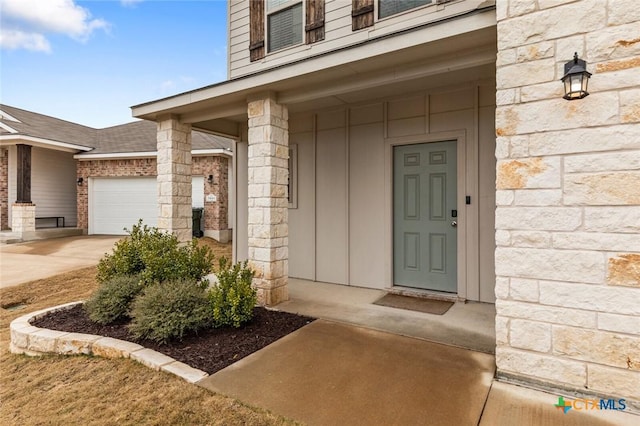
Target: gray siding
x=339 y=233
x=338 y=32
x=53 y=184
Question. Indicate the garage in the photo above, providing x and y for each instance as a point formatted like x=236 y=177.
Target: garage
x=118 y=203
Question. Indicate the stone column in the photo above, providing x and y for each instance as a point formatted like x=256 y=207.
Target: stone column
x=268 y=228
x=23 y=218
x=174 y=177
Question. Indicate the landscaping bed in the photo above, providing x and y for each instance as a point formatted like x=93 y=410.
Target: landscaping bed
x=209 y=350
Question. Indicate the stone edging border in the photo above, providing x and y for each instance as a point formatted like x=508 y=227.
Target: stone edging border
x=33 y=341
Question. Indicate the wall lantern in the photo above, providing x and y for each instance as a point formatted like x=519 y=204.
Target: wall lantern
x=79 y=181
x=575 y=79
x=210 y=179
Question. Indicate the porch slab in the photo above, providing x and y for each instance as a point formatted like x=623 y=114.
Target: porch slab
x=467 y=325
x=333 y=373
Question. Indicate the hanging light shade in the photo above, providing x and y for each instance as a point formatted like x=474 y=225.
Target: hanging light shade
x=575 y=79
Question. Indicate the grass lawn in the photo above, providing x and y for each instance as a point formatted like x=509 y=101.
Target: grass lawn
x=90 y=390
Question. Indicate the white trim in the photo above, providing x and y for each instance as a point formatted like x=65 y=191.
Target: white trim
x=115 y=155
x=237 y=90
x=460 y=138
x=288 y=4
x=215 y=151
x=7 y=128
x=43 y=143
x=293 y=176
x=9 y=117
x=149 y=154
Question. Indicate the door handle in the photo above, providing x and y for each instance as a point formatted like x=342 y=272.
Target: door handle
x=454 y=223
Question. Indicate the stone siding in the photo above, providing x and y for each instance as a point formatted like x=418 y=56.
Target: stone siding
x=568 y=197
x=4 y=189
x=215 y=213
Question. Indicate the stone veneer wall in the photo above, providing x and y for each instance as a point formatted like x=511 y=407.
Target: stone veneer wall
x=568 y=197
x=4 y=189
x=215 y=213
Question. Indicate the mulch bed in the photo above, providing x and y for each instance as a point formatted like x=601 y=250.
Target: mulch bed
x=210 y=350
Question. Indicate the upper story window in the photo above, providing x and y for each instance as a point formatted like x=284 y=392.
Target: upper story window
x=284 y=24
x=276 y=24
x=391 y=7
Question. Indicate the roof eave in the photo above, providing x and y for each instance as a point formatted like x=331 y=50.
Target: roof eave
x=15 y=139
x=148 y=154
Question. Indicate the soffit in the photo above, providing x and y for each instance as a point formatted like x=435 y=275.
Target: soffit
x=307 y=85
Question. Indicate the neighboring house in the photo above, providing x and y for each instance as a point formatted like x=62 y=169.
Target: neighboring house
x=375 y=138
x=100 y=180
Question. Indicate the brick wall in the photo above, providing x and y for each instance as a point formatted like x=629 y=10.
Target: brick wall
x=4 y=189
x=568 y=197
x=215 y=213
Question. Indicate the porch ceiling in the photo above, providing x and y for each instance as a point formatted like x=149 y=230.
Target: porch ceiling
x=304 y=85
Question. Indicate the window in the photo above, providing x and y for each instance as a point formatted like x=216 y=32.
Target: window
x=292 y=186
x=391 y=7
x=284 y=24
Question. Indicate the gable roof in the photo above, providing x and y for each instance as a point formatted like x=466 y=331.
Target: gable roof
x=39 y=126
x=135 y=137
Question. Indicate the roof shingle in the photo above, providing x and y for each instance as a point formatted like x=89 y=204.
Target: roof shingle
x=138 y=136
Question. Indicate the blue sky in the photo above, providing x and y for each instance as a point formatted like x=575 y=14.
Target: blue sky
x=89 y=61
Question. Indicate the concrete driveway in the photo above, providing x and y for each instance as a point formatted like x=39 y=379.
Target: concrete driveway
x=20 y=263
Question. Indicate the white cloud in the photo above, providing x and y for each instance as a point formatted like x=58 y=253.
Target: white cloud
x=130 y=3
x=15 y=39
x=25 y=22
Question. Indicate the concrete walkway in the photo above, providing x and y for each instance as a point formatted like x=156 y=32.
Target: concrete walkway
x=363 y=364
x=329 y=373
x=23 y=262
x=335 y=374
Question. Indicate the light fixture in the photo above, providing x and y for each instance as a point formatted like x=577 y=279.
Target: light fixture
x=210 y=179
x=575 y=79
x=79 y=181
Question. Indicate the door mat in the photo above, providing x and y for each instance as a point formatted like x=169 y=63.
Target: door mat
x=428 y=306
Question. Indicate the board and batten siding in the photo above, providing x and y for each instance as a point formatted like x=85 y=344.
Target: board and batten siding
x=53 y=184
x=338 y=32
x=340 y=229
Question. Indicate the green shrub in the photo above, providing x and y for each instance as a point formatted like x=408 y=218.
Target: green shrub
x=169 y=310
x=157 y=256
x=233 y=299
x=112 y=301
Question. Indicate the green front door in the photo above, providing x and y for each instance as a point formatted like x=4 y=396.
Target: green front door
x=425 y=216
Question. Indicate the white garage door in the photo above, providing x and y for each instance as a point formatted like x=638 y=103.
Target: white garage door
x=118 y=203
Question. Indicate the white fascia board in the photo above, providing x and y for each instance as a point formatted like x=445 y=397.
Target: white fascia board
x=7 y=128
x=215 y=151
x=9 y=117
x=146 y=154
x=42 y=143
x=115 y=155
